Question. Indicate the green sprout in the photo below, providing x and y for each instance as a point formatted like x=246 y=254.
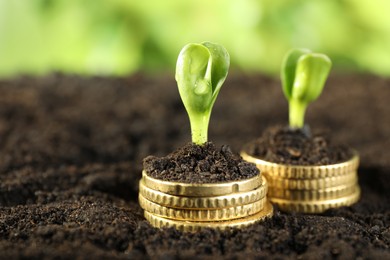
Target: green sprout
x=303 y=77
x=201 y=70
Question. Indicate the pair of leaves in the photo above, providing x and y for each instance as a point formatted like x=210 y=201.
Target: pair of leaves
x=200 y=72
x=304 y=74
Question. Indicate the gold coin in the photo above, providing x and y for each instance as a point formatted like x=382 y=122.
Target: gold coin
x=201 y=189
x=303 y=172
x=316 y=206
x=224 y=201
x=192 y=226
x=203 y=214
x=312 y=195
x=311 y=184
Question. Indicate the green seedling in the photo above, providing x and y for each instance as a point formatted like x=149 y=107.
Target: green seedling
x=201 y=70
x=303 y=77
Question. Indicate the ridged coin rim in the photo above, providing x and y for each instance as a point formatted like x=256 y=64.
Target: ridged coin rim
x=316 y=206
x=312 y=195
x=203 y=215
x=224 y=201
x=303 y=172
x=192 y=226
x=311 y=184
x=201 y=189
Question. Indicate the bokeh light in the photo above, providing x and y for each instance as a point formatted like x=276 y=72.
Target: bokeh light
x=123 y=37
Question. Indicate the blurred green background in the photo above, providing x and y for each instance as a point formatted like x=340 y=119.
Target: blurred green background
x=121 y=37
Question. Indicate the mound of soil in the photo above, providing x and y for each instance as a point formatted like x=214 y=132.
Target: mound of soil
x=200 y=164
x=297 y=147
x=71 y=151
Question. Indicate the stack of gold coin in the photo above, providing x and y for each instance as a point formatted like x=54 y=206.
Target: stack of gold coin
x=191 y=207
x=310 y=189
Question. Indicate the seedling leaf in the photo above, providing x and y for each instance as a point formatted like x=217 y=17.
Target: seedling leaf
x=303 y=78
x=201 y=70
x=289 y=68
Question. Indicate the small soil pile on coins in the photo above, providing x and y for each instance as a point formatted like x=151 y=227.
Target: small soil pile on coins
x=190 y=206
x=200 y=164
x=306 y=188
x=294 y=146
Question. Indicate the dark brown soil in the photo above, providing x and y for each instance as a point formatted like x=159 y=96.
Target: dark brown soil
x=71 y=152
x=200 y=164
x=298 y=147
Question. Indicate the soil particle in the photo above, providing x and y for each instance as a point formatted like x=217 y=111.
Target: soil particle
x=297 y=147
x=205 y=163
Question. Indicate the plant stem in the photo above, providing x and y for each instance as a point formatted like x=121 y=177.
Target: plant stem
x=199 y=127
x=297 y=111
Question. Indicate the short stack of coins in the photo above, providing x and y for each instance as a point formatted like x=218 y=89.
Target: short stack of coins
x=310 y=189
x=191 y=207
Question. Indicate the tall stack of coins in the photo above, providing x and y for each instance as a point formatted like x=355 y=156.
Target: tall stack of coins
x=310 y=189
x=191 y=207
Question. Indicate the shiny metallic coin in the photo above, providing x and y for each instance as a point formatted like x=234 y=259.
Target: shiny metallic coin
x=311 y=184
x=312 y=195
x=202 y=215
x=303 y=172
x=212 y=202
x=192 y=226
x=316 y=206
x=201 y=190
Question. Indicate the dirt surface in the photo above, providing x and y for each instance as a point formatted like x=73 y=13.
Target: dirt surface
x=281 y=144
x=71 y=157
x=200 y=164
